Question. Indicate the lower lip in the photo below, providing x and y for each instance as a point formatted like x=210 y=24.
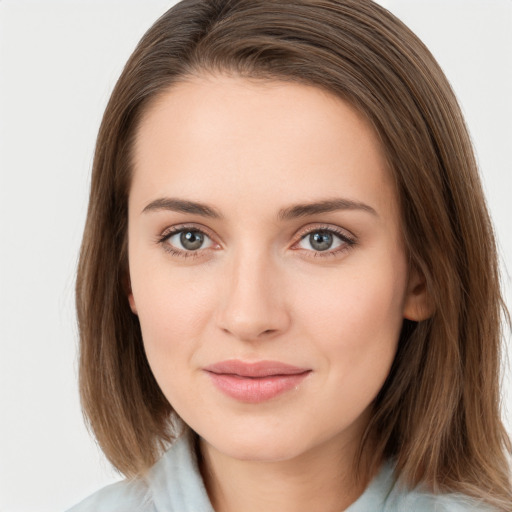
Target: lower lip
x=258 y=389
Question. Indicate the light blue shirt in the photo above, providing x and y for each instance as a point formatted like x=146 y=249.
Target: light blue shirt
x=174 y=484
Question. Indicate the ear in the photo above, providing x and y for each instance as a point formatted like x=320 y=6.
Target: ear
x=418 y=304
x=133 y=307
x=127 y=285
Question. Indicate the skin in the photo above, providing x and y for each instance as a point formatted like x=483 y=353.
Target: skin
x=258 y=289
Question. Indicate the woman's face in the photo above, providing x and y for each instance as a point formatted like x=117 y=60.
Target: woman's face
x=266 y=263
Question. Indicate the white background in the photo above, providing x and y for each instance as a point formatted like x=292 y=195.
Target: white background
x=58 y=63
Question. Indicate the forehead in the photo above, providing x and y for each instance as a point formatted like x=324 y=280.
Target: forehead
x=208 y=136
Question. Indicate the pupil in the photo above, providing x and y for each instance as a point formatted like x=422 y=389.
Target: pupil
x=191 y=240
x=321 y=240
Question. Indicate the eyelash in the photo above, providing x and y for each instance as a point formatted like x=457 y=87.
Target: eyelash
x=348 y=242
x=177 y=252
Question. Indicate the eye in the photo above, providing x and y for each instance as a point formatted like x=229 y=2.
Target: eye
x=325 y=240
x=185 y=241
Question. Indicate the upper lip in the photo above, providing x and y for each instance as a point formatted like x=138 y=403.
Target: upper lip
x=254 y=369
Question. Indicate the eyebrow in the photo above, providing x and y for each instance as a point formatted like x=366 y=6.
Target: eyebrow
x=325 y=206
x=289 y=213
x=182 y=206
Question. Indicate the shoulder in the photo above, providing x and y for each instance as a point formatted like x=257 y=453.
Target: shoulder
x=385 y=494
x=402 y=499
x=428 y=502
x=173 y=484
x=118 y=497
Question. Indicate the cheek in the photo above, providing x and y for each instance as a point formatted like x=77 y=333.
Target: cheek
x=355 y=324
x=355 y=319
x=173 y=311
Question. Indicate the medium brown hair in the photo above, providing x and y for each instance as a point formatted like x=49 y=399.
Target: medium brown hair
x=437 y=414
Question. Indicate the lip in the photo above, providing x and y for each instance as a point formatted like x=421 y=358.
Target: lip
x=255 y=382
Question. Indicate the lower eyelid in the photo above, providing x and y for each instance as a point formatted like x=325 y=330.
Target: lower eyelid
x=332 y=253
x=346 y=244
x=181 y=254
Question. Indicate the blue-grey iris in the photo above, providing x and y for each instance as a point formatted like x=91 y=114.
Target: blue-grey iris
x=191 y=240
x=321 y=240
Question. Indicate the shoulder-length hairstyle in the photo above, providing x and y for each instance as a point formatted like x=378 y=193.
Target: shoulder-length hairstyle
x=438 y=414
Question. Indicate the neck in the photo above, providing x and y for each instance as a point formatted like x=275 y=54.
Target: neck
x=322 y=479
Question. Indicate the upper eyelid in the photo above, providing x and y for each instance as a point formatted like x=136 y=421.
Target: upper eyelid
x=300 y=234
x=339 y=231
x=172 y=230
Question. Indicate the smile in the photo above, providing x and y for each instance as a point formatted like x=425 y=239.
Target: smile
x=255 y=382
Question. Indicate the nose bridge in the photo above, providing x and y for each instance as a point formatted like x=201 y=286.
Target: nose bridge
x=252 y=305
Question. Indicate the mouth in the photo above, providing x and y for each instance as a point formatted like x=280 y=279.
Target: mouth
x=255 y=382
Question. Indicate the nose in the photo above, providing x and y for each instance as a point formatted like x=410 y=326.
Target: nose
x=252 y=303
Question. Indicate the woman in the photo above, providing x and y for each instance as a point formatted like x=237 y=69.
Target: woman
x=288 y=273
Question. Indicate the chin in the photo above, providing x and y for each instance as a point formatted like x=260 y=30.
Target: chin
x=252 y=445
x=259 y=453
